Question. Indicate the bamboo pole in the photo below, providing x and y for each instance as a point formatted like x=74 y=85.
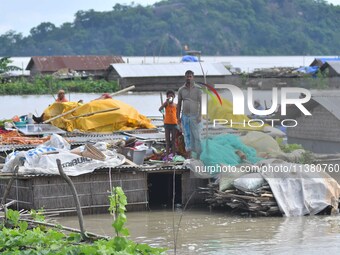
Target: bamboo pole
x=75 y=197
x=161 y=97
x=123 y=91
x=61 y=115
x=9 y=185
x=90 y=234
x=92 y=113
x=7 y=190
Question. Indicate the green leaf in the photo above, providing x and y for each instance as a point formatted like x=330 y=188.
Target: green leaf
x=23 y=225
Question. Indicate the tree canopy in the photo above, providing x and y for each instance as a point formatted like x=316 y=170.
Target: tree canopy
x=219 y=27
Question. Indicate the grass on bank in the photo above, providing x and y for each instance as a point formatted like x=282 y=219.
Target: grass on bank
x=47 y=84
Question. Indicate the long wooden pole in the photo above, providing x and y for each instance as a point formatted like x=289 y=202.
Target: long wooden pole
x=7 y=190
x=161 y=96
x=90 y=234
x=123 y=90
x=61 y=115
x=92 y=113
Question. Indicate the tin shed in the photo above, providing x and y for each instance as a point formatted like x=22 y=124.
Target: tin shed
x=92 y=65
x=157 y=77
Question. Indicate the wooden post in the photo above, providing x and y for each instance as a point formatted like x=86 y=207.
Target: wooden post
x=8 y=188
x=75 y=197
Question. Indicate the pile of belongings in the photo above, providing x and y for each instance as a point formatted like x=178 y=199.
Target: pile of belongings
x=253 y=174
x=153 y=151
x=81 y=160
x=275 y=188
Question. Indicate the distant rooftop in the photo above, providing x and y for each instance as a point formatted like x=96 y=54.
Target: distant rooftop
x=178 y=69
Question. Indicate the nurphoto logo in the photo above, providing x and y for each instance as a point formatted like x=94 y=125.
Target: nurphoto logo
x=238 y=100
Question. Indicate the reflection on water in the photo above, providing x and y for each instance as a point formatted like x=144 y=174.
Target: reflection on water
x=146 y=103
x=203 y=232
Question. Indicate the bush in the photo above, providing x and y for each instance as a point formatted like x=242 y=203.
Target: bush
x=47 y=84
x=17 y=238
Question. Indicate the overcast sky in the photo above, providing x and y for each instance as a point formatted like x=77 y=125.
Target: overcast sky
x=22 y=15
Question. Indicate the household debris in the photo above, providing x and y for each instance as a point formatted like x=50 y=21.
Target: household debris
x=292 y=190
x=41 y=160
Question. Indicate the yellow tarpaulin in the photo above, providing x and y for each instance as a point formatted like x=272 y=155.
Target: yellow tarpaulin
x=225 y=112
x=125 y=118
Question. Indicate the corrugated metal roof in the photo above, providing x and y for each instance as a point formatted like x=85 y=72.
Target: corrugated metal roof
x=331 y=103
x=77 y=63
x=156 y=70
x=321 y=61
x=333 y=64
x=20 y=62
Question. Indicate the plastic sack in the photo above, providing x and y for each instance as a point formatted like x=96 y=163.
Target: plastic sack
x=249 y=182
x=42 y=160
x=72 y=164
x=16 y=158
x=58 y=141
x=265 y=145
x=274 y=132
x=226 y=180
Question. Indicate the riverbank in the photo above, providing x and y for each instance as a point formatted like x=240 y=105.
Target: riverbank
x=47 y=84
x=261 y=80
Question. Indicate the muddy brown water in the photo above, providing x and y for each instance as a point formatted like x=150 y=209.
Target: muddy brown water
x=204 y=232
x=201 y=231
x=36 y=104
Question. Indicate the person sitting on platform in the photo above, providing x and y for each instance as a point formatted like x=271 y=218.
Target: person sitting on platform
x=61 y=96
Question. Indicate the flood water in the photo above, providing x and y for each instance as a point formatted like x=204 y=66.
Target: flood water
x=147 y=103
x=203 y=232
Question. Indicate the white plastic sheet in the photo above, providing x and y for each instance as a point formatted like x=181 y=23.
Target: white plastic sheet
x=42 y=159
x=300 y=191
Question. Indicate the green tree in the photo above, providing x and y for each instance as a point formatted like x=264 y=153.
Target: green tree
x=219 y=27
x=5 y=65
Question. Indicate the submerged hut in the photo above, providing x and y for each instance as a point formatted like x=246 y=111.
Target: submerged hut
x=321 y=61
x=319 y=132
x=144 y=188
x=331 y=68
x=151 y=77
x=95 y=66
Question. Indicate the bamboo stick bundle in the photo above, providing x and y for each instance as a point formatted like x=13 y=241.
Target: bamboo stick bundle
x=260 y=202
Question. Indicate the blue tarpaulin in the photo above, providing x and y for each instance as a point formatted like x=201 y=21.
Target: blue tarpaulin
x=189 y=58
x=308 y=69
